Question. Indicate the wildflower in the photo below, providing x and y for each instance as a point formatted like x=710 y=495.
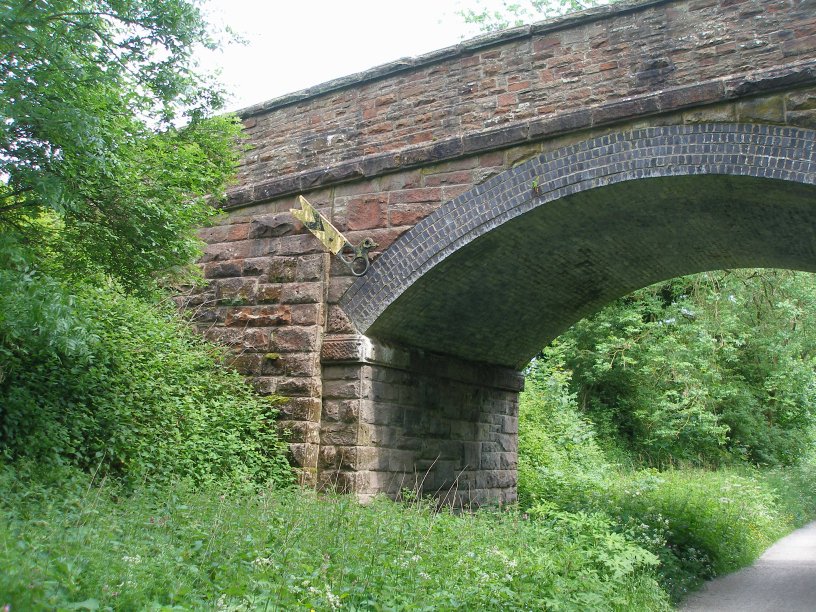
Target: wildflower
x=262 y=561
x=134 y=560
x=334 y=600
x=424 y=575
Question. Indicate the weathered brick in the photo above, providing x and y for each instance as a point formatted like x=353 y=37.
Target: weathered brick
x=291 y=364
x=235 y=290
x=248 y=364
x=268 y=293
x=271 y=226
x=306 y=314
x=288 y=339
x=302 y=431
x=410 y=214
x=282 y=269
x=300 y=409
x=259 y=316
x=309 y=268
x=341 y=410
x=302 y=293
x=223 y=269
x=367 y=212
x=304 y=386
x=304 y=455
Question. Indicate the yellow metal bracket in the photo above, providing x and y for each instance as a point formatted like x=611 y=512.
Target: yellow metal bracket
x=355 y=257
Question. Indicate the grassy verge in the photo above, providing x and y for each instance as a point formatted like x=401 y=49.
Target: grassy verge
x=699 y=523
x=75 y=546
x=708 y=523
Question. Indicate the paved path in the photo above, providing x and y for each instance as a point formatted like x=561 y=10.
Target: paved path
x=783 y=579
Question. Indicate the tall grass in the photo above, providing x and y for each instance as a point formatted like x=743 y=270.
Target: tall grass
x=75 y=546
x=699 y=523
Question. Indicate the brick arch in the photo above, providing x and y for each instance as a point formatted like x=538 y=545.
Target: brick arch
x=509 y=265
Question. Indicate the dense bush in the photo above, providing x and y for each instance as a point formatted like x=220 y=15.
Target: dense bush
x=100 y=380
x=559 y=458
x=74 y=546
x=709 y=369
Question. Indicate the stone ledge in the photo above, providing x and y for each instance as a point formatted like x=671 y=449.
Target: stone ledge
x=358 y=349
x=725 y=89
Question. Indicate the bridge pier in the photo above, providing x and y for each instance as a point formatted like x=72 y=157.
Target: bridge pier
x=395 y=418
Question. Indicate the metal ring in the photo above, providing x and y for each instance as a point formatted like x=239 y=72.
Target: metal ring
x=366 y=264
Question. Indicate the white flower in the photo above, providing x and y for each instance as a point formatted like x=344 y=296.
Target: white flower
x=262 y=561
x=134 y=560
x=332 y=599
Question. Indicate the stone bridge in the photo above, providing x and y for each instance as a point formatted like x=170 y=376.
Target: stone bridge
x=515 y=183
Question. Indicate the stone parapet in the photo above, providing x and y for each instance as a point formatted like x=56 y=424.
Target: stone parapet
x=587 y=71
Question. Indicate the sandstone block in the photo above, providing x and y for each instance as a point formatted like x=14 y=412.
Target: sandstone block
x=340 y=410
x=309 y=268
x=302 y=293
x=304 y=386
x=258 y=316
x=303 y=455
x=282 y=269
x=300 y=409
x=293 y=339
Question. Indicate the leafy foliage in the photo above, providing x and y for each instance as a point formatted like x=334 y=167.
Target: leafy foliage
x=114 y=383
x=100 y=196
x=71 y=545
x=712 y=368
x=91 y=162
x=513 y=13
x=699 y=523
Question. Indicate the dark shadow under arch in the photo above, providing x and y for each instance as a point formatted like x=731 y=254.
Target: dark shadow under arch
x=494 y=274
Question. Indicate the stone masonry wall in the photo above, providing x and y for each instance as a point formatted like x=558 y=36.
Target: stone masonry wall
x=273 y=292
x=628 y=59
x=396 y=419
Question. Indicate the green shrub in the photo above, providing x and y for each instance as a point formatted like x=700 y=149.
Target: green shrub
x=118 y=384
x=700 y=524
x=709 y=369
x=560 y=462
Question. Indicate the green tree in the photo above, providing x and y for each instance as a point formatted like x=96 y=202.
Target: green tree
x=708 y=368
x=95 y=175
x=512 y=13
x=100 y=191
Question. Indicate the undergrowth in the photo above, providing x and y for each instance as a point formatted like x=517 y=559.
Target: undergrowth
x=70 y=545
x=699 y=523
x=121 y=385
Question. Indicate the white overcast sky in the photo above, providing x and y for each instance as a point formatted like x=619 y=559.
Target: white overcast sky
x=299 y=43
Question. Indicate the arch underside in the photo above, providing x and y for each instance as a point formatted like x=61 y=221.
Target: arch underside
x=497 y=273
